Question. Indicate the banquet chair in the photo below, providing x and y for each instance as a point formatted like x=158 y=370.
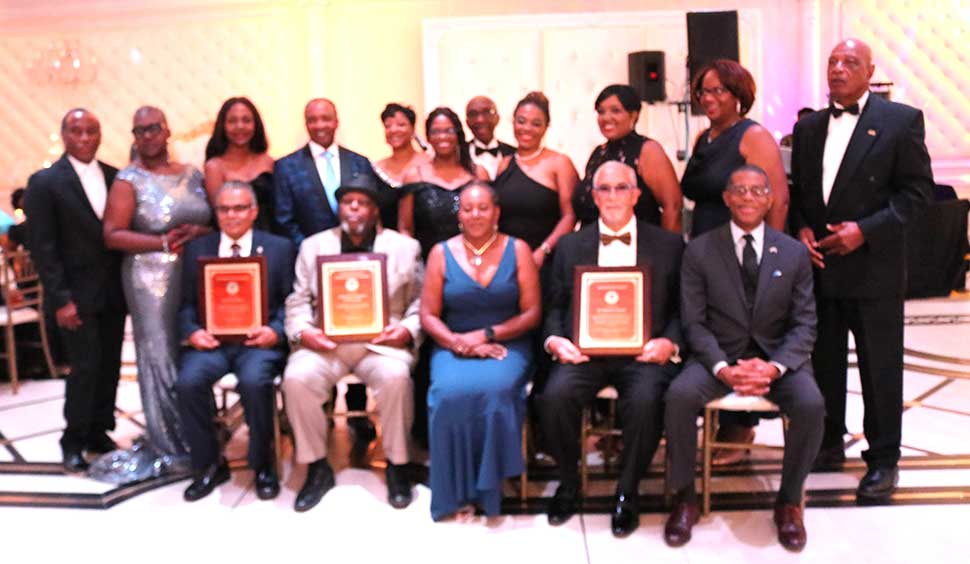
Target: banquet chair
x=228 y=416
x=23 y=303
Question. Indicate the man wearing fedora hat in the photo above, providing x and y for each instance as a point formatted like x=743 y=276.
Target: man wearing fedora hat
x=384 y=363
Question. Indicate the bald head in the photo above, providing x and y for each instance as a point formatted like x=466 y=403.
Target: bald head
x=321 y=120
x=150 y=113
x=615 y=169
x=81 y=134
x=849 y=71
x=481 y=116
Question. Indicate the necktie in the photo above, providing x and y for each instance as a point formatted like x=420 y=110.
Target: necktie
x=236 y=249
x=749 y=268
x=837 y=112
x=622 y=237
x=330 y=182
x=479 y=150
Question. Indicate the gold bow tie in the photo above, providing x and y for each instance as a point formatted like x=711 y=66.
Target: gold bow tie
x=622 y=237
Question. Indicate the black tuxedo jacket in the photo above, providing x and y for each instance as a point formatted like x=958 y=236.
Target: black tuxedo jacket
x=884 y=181
x=656 y=248
x=66 y=241
x=299 y=200
x=717 y=322
x=280 y=256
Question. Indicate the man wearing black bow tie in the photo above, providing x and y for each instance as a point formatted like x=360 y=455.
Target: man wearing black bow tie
x=861 y=171
x=487 y=151
x=617 y=239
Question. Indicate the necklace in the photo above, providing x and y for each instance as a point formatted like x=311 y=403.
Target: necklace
x=529 y=157
x=477 y=259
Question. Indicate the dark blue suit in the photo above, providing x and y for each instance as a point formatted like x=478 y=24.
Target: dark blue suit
x=301 y=204
x=255 y=368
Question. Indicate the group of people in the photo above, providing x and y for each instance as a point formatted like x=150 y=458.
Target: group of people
x=481 y=242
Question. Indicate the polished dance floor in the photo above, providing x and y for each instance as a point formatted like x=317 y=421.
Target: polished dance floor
x=49 y=514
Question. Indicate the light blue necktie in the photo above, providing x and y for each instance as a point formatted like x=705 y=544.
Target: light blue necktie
x=330 y=183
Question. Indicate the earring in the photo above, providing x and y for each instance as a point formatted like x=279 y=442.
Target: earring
x=461 y=227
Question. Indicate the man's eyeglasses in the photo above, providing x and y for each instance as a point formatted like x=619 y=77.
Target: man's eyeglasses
x=151 y=129
x=237 y=209
x=619 y=189
x=743 y=190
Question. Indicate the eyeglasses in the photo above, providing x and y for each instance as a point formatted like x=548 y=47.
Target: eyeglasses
x=619 y=189
x=472 y=114
x=716 y=91
x=151 y=129
x=440 y=132
x=237 y=209
x=743 y=190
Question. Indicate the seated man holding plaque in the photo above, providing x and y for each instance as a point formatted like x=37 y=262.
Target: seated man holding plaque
x=616 y=326
x=749 y=318
x=244 y=275
x=354 y=309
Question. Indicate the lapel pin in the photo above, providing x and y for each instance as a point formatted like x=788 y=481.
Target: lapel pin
x=871 y=132
x=259 y=250
x=776 y=274
x=773 y=250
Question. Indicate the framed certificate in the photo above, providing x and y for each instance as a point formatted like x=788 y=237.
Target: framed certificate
x=352 y=297
x=233 y=296
x=611 y=310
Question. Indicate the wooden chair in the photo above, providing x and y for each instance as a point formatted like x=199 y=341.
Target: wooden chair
x=23 y=303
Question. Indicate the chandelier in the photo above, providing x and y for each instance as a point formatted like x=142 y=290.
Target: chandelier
x=63 y=63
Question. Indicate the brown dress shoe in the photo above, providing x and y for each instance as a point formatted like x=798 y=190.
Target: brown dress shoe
x=732 y=434
x=681 y=521
x=791 y=528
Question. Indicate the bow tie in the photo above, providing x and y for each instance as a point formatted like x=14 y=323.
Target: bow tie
x=479 y=150
x=622 y=237
x=837 y=112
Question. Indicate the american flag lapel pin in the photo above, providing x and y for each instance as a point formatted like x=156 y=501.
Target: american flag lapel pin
x=871 y=132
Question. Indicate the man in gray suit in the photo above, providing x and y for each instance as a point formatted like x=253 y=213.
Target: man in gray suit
x=748 y=314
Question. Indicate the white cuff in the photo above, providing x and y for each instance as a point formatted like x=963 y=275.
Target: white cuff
x=781 y=368
x=717 y=367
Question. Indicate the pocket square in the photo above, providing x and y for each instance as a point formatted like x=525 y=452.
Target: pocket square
x=776 y=274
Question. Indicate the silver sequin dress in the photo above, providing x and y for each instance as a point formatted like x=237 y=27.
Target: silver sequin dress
x=152 y=284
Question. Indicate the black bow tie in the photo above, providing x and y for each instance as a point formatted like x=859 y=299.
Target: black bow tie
x=479 y=150
x=837 y=112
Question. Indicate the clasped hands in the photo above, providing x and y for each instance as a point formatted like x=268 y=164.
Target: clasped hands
x=263 y=338
x=474 y=344
x=749 y=377
x=655 y=351
x=393 y=335
x=178 y=236
x=846 y=237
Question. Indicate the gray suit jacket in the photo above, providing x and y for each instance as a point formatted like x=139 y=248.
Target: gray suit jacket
x=715 y=316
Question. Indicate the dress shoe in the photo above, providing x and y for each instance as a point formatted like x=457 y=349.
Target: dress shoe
x=398 y=486
x=682 y=519
x=364 y=433
x=829 y=458
x=205 y=482
x=267 y=483
x=732 y=434
x=878 y=484
x=626 y=516
x=74 y=461
x=791 y=527
x=319 y=480
x=100 y=443
x=563 y=504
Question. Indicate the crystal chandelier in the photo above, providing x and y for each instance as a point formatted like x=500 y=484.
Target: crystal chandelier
x=66 y=63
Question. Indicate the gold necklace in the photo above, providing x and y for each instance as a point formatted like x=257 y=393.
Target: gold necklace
x=477 y=259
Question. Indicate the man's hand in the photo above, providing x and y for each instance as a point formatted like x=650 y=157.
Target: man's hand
x=656 y=351
x=263 y=338
x=393 y=336
x=746 y=380
x=202 y=340
x=807 y=237
x=315 y=340
x=68 y=317
x=563 y=350
x=845 y=238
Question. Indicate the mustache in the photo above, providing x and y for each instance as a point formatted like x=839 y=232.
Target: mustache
x=356 y=229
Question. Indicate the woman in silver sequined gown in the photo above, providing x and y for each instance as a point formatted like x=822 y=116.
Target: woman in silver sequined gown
x=154 y=208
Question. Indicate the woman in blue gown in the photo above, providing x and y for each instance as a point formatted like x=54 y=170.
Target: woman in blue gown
x=481 y=298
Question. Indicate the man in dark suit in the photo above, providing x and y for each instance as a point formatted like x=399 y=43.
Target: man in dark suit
x=82 y=282
x=617 y=239
x=748 y=313
x=482 y=117
x=860 y=171
x=256 y=361
x=305 y=200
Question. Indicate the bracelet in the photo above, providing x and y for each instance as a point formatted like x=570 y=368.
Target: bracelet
x=165 y=248
x=545 y=247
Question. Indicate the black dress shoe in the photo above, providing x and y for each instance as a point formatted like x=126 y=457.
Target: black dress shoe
x=563 y=504
x=319 y=480
x=267 y=483
x=829 y=458
x=878 y=484
x=682 y=519
x=74 y=461
x=791 y=527
x=398 y=486
x=364 y=433
x=205 y=482
x=100 y=443
x=626 y=516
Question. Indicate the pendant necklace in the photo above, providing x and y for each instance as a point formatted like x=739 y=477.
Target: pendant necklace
x=477 y=259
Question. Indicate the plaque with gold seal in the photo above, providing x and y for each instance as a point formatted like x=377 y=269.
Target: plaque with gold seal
x=233 y=296
x=611 y=310
x=352 y=296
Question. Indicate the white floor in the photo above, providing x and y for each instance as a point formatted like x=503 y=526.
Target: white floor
x=354 y=520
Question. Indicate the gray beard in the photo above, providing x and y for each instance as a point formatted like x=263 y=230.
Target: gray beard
x=357 y=232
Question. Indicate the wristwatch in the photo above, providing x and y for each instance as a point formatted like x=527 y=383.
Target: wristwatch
x=490 y=334
x=295 y=341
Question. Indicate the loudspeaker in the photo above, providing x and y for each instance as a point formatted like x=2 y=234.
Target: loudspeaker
x=647 y=75
x=710 y=35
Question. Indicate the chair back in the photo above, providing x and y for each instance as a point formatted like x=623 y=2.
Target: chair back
x=19 y=282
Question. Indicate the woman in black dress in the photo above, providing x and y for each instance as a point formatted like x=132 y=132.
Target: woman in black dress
x=535 y=184
x=617 y=111
x=237 y=151
x=399 y=134
x=726 y=91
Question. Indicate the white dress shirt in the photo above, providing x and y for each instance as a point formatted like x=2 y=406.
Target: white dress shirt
x=92 y=180
x=836 y=142
x=616 y=253
x=245 y=244
x=318 y=151
x=487 y=161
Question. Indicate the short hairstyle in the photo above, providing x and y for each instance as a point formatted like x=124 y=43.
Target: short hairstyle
x=17 y=198
x=482 y=185
x=395 y=108
x=537 y=99
x=219 y=142
x=628 y=97
x=735 y=78
x=68 y=114
x=627 y=169
x=230 y=185
x=464 y=154
x=804 y=111
x=749 y=168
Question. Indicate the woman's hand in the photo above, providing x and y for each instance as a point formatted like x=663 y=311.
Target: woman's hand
x=463 y=343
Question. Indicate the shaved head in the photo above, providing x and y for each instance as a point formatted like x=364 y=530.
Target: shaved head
x=849 y=71
x=150 y=112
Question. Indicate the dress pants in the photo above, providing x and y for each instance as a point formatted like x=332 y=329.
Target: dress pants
x=310 y=376
x=94 y=352
x=255 y=369
x=795 y=393
x=641 y=389
x=877 y=325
